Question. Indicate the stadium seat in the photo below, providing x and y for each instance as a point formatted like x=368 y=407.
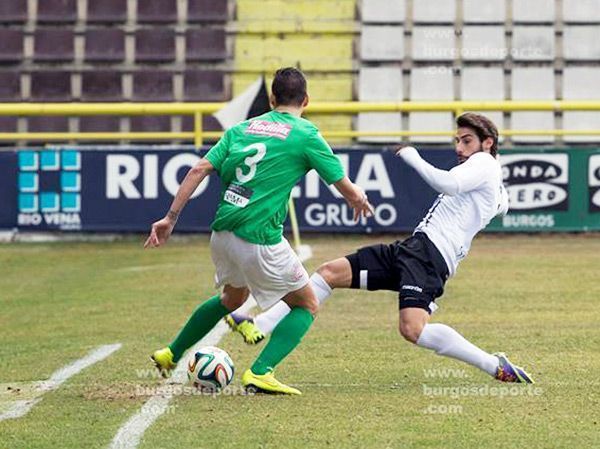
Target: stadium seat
x=152 y=85
x=203 y=85
x=532 y=11
x=150 y=123
x=581 y=43
x=433 y=43
x=576 y=11
x=576 y=86
x=380 y=84
x=205 y=44
x=382 y=43
x=383 y=11
x=207 y=11
x=428 y=85
x=484 y=83
x=490 y=11
x=50 y=86
x=11 y=49
x=48 y=124
x=209 y=123
x=104 y=45
x=8 y=124
x=533 y=43
x=101 y=86
x=483 y=43
x=13 y=11
x=10 y=86
x=57 y=11
x=99 y=123
x=157 y=11
x=533 y=83
x=155 y=45
x=53 y=45
x=106 y=11
x=434 y=11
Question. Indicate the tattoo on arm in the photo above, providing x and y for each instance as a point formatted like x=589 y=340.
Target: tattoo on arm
x=173 y=215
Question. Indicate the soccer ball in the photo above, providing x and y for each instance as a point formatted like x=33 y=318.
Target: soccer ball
x=211 y=369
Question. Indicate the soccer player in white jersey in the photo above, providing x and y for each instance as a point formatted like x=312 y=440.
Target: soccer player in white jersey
x=470 y=195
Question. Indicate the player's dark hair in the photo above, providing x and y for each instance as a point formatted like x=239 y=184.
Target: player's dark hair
x=289 y=87
x=482 y=126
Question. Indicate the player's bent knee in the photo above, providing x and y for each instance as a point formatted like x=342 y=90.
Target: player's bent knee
x=233 y=298
x=411 y=330
x=337 y=273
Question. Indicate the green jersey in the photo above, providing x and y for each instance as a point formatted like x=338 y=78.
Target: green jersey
x=259 y=161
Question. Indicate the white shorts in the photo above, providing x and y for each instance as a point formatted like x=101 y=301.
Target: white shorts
x=269 y=271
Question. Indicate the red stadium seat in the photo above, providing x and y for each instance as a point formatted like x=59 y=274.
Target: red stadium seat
x=205 y=44
x=53 y=44
x=157 y=11
x=152 y=85
x=57 y=11
x=203 y=85
x=101 y=86
x=151 y=123
x=11 y=49
x=8 y=124
x=104 y=45
x=107 y=11
x=50 y=86
x=207 y=11
x=99 y=123
x=48 y=124
x=10 y=86
x=155 y=45
x=14 y=11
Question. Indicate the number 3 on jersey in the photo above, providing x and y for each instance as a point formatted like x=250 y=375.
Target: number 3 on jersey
x=251 y=161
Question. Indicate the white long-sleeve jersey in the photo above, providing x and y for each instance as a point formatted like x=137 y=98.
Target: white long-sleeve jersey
x=471 y=194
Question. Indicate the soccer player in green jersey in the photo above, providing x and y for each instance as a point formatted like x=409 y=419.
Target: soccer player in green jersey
x=259 y=161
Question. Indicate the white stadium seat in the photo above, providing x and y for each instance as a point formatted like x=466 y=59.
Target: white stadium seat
x=382 y=43
x=533 y=83
x=534 y=11
x=433 y=43
x=577 y=83
x=483 y=43
x=582 y=43
x=490 y=11
x=581 y=11
x=383 y=11
x=434 y=11
x=484 y=83
x=533 y=43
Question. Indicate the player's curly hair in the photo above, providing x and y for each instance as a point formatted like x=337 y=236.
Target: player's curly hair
x=482 y=126
x=289 y=87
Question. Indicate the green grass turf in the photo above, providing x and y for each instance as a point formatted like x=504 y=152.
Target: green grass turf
x=536 y=298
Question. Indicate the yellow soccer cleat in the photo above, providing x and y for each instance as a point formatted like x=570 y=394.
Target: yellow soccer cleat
x=163 y=360
x=245 y=326
x=266 y=383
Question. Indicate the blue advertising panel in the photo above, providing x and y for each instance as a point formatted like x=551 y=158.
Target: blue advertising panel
x=125 y=190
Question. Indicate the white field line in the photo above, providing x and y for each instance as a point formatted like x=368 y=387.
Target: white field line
x=130 y=434
x=20 y=408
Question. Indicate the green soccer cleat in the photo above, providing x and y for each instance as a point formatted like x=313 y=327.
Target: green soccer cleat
x=509 y=372
x=163 y=360
x=266 y=383
x=244 y=325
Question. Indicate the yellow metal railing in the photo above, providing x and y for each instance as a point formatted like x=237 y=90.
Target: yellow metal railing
x=197 y=110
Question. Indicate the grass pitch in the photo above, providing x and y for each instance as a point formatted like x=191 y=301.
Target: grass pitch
x=536 y=298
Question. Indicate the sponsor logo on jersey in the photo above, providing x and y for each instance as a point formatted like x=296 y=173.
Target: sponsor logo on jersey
x=594 y=182
x=49 y=189
x=269 y=129
x=536 y=181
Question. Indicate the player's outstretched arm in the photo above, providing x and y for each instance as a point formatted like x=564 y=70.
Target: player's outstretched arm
x=441 y=181
x=162 y=229
x=356 y=198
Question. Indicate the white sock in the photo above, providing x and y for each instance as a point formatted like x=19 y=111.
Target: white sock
x=446 y=341
x=267 y=320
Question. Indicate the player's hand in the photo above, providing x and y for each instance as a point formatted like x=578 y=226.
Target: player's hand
x=160 y=233
x=362 y=207
x=398 y=149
